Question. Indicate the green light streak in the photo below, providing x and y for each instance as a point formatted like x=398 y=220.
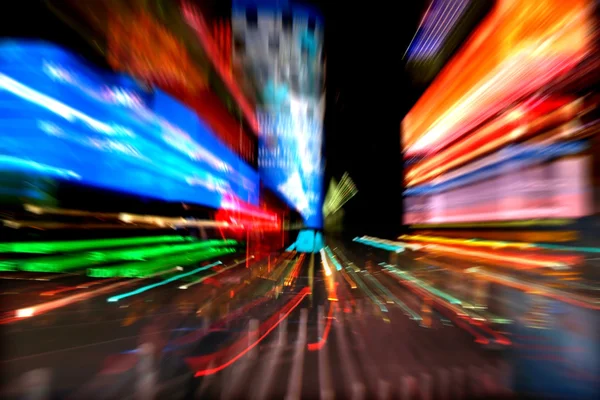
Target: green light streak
x=503 y=321
x=391 y=296
x=147 y=268
x=8 y=266
x=80 y=245
x=568 y=248
x=166 y=281
x=82 y=260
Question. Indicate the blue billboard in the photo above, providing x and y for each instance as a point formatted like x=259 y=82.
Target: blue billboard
x=290 y=162
x=63 y=119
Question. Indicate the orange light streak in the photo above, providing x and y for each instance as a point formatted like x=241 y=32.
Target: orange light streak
x=71 y=288
x=531 y=262
x=43 y=308
x=483 y=141
x=521 y=236
x=467 y=242
x=326 y=267
x=348 y=279
x=295 y=271
x=521 y=46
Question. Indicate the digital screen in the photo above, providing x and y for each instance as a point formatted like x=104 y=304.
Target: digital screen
x=290 y=162
x=555 y=190
x=282 y=54
x=63 y=119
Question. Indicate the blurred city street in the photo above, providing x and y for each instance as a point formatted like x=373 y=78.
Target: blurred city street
x=299 y=199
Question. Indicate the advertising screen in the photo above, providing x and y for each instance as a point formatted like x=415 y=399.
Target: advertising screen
x=279 y=44
x=63 y=119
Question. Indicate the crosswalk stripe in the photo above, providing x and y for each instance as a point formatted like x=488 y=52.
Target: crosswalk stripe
x=295 y=380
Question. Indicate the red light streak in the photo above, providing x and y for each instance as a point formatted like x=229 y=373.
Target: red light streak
x=240 y=215
x=319 y=345
x=530 y=261
x=195 y=20
x=194 y=361
x=90 y=284
x=497 y=337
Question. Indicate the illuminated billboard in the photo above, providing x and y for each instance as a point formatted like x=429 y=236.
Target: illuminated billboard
x=521 y=46
x=554 y=190
x=63 y=119
x=279 y=45
x=491 y=139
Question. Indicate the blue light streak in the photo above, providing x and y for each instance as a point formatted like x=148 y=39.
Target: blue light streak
x=383 y=246
x=68 y=121
x=143 y=289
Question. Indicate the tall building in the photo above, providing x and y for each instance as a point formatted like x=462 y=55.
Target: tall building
x=280 y=45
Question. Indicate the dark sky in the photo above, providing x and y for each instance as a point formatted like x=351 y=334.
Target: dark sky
x=32 y=19
x=368 y=94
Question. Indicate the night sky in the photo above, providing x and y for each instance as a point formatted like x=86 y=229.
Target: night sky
x=32 y=19
x=368 y=93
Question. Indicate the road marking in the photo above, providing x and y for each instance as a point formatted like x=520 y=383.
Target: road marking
x=295 y=379
x=237 y=376
x=444 y=384
x=408 y=383
x=206 y=382
x=326 y=389
x=426 y=386
x=146 y=375
x=269 y=370
x=458 y=382
x=348 y=366
x=384 y=389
